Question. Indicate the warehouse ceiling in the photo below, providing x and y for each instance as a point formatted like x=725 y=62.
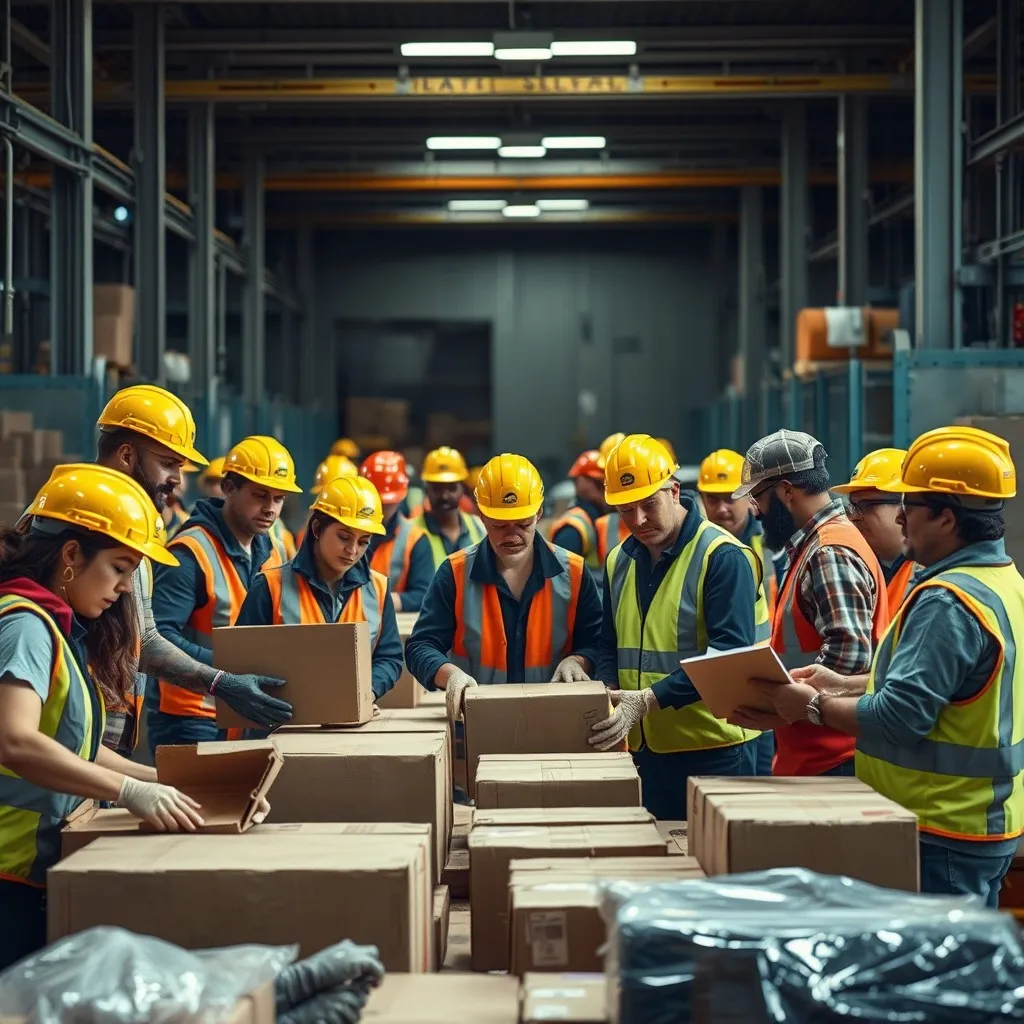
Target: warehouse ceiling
x=342 y=117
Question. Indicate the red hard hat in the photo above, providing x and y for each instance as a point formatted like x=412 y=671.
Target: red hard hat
x=589 y=464
x=386 y=471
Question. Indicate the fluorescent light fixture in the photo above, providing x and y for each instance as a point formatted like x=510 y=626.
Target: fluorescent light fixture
x=523 y=53
x=563 y=205
x=463 y=142
x=594 y=48
x=447 y=49
x=121 y=214
x=521 y=211
x=476 y=205
x=574 y=142
x=521 y=152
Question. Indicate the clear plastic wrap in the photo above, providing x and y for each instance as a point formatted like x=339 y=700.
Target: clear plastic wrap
x=789 y=946
x=111 y=976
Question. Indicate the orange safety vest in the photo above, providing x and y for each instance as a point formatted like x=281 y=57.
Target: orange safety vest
x=225 y=593
x=480 y=646
x=899 y=587
x=295 y=604
x=611 y=531
x=805 y=749
x=391 y=557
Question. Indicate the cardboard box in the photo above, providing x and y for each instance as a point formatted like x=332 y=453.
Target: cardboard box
x=327 y=667
x=113 y=300
x=32 y=447
x=14 y=487
x=444 y=998
x=456 y=871
x=555 y=816
x=539 y=718
x=493 y=848
x=10 y=451
x=675 y=834
x=113 y=338
x=555 y=906
x=442 y=912
x=406 y=692
x=458 y=956
x=583 y=780
x=574 y=998
x=343 y=776
x=14 y=422
x=313 y=888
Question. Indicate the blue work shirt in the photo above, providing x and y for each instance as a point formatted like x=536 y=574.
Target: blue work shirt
x=258 y=610
x=465 y=539
x=430 y=645
x=178 y=590
x=421 y=565
x=944 y=655
x=568 y=537
x=730 y=593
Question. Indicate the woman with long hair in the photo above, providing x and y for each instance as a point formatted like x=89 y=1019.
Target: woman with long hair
x=66 y=613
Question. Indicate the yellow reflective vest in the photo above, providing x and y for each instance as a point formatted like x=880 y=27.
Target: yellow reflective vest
x=965 y=779
x=470 y=524
x=649 y=649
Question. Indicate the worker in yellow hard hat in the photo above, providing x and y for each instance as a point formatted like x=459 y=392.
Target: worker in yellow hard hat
x=609 y=443
x=940 y=720
x=576 y=530
x=332 y=468
x=875 y=513
x=448 y=529
x=175 y=513
x=220 y=550
x=209 y=478
x=330 y=579
x=512 y=608
x=347 y=447
x=67 y=617
x=676 y=587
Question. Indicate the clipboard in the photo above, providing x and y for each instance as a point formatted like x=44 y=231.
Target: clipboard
x=722 y=678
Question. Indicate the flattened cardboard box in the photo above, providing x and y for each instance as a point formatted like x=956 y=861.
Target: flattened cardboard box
x=200 y=892
x=576 y=998
x=327 y=668
x=583 y=780
x=442 y=916
x=406 y=692
x=343 y=775
x=444 y=998
x=532 y=719
x=493 y=848
x=562 y=816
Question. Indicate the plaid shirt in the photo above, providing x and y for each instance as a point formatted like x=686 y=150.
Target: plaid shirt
x=837 y=595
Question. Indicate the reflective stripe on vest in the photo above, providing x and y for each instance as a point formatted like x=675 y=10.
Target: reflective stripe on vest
x=611 y=531
x=965 y=779
x=580 y=521
x=900 y=586
x=225 y=593
x=296 y=604
x=391 y=557
x=471 y=525
x=650 y=648
x=480 y=646
x=31 y=817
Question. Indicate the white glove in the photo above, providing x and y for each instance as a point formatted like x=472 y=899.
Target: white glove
x=630 y=708
x=454 y=690
x=569 y=671
x=166 y=809
x=262 y=810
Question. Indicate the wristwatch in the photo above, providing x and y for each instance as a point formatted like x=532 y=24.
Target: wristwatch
x=814 y=710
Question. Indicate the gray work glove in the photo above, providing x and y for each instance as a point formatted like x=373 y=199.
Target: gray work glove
x=630 y=709
x=570 y=671
x=244 y=695
x=330 y=987
x=454 y=692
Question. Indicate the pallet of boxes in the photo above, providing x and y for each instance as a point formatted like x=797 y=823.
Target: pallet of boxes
x=27 y=457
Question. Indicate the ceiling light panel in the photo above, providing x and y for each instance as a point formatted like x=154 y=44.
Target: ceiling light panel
x=594 y=48
x=574 y=142
x=521 y=152
x=476 y=205
x=442 y=142
x=563 y=205
x=523 y=53
x=523 y=212
x=447 y=49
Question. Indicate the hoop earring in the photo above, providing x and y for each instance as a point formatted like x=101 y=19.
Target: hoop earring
x=68 y=575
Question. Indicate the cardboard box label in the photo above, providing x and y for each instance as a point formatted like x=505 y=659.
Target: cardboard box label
x=547 y=938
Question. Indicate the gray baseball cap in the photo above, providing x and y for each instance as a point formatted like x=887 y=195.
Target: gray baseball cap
x=775 y=457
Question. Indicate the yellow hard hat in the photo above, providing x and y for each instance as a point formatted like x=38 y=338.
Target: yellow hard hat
x=263 y=460
x=473 y=476
x=354 y=502
x=721 y=472
x=877 y=468
x=667 y=445
x=444 y=466
x=331 y=468
x=961 y=461
x=214 y=471
x=155 y=413
x=606 y=446
x=637 y=467
x=509 y=488
x=107 y=502
x=345 y=446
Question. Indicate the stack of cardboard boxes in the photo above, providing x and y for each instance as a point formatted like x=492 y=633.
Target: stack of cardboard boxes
x=27 y=457
x=375 y=423
x=113 y=323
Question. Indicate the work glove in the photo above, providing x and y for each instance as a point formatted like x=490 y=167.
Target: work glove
x=164 y=807
x=455 y=690
x=330 y=987
x=245 y=696
x=262 y=810
x=629 y=709
x=570 y=671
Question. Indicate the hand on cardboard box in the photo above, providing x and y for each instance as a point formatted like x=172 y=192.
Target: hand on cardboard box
x=262 y=810
x=245 y=695
x=164 y=807
x=570 y=670
x=630 y=707
x=454 y=692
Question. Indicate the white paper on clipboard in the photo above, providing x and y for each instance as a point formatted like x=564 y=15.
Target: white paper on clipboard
x=723 y=678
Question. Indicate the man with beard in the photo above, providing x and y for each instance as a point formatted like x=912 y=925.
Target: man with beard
x=576 y=530
x=512 y=608
x=832 y=608
x=447 y=527
x=149 y=434
x=220 y=551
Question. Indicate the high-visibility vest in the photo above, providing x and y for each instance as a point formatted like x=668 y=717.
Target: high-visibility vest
x=965 y=779
x=391 y=557
x=611 y=531
x=295 y=604
x=31 y=817
x=650 y=648
x=900 y=586
x=470 y=525
x=480 y=646
x=579 y=519
x=805 y=749
x=771 y=584
x=281 y=542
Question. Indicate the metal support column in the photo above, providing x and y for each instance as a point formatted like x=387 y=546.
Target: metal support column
x=150 y=173
x=854 y=198
x=312 y=387
x=202 y=197
x=1007 y=164
x=71 y=196
x=938 y=162
x=254 y=324
x=752 y=314
x=793 y=216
